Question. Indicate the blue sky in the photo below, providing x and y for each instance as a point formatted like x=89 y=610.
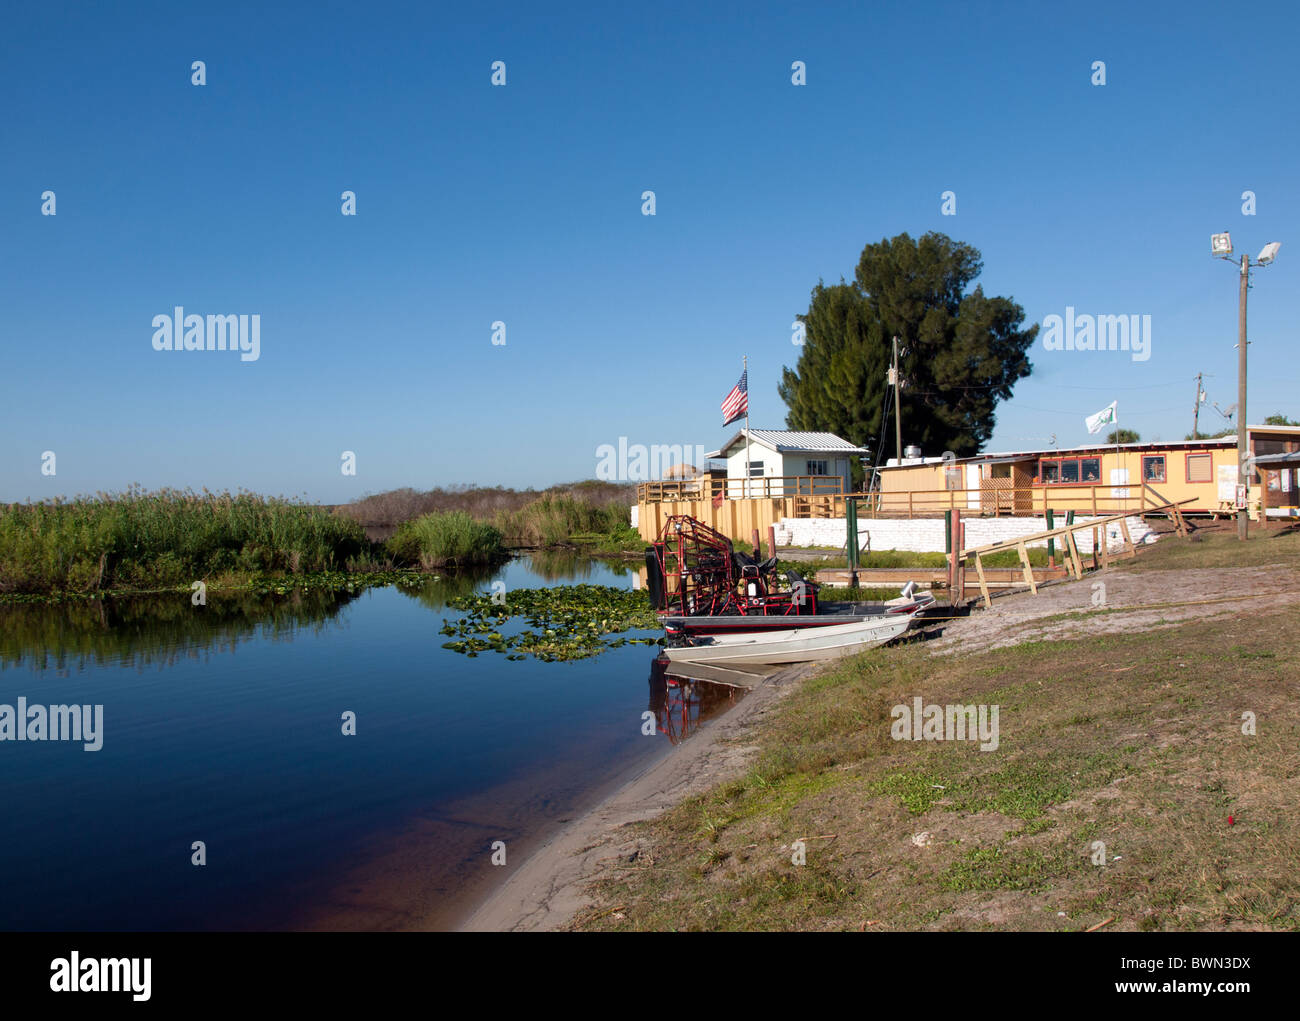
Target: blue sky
x=523 y=204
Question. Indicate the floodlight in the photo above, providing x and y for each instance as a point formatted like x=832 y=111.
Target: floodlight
x=1221 y=244
x=1269 y=253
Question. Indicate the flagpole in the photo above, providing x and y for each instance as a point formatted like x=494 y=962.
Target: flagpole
x=745 y=376
x=1119 y=463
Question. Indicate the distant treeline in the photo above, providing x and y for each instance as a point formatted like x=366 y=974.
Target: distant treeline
x=481 y=502
x=461 y=524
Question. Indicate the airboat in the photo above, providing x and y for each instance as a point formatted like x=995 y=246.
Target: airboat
x=708 y=593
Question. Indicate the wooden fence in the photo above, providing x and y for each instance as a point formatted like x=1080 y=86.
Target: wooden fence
x=761 y=488
x=718 y=502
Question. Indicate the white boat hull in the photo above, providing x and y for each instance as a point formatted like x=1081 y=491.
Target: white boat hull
x=805 y=645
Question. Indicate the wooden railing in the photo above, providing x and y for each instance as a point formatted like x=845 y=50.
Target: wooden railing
x=765 y=488
x=1095 y=500
x=823 y=496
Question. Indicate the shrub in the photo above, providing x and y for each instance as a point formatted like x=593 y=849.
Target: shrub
x=442 y=538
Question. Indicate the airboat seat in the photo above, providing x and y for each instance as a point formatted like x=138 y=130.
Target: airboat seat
x=796 y=579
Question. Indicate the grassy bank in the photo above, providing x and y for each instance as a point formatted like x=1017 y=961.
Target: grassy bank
x=164 y=541
x=1131 y=740
x=167 y=539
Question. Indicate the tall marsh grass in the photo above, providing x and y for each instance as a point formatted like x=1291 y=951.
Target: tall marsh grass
x=555 y=518
x=167 y=538
x=443 y=538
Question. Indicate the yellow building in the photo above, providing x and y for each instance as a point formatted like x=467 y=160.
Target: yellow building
x=1136 y=478
x=1200 y=475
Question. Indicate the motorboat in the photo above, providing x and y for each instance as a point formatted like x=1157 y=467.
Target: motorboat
x=701 y=586
x=793 y=645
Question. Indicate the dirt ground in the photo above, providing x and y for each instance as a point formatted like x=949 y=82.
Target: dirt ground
x=1118 y=601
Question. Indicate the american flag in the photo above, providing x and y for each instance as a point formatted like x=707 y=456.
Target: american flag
x=736 y=403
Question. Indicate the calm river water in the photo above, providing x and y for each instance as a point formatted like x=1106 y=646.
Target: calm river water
x=223 y=724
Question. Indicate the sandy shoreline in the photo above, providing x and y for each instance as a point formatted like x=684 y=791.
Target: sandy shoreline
x=547 y=890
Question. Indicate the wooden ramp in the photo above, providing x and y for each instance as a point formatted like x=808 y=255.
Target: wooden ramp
x=1066 y=535
x=931 y=577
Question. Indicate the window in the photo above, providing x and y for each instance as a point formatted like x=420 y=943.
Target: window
x=817 y=468
x=1070 y=471
x=1153 y=468
x=1199 y=468
x=755 y=469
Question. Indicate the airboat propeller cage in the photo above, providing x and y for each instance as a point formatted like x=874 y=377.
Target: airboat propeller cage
x=693 y=570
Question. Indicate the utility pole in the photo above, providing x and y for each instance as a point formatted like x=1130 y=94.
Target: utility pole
x=898 y=410
x=1196 y=410
x=1221 y=248
x=1242 y=452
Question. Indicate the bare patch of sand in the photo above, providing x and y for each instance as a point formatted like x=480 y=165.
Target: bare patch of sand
x=1116 y=601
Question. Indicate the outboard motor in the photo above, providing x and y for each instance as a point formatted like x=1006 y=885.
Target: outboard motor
x=654 y=578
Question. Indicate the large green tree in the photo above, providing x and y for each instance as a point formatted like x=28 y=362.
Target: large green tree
x=965 y=351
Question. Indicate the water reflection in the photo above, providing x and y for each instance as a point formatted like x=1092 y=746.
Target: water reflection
x=161 y=630
x=570 y=565
x=681 y=704
x=438 y=590
x=156 y=630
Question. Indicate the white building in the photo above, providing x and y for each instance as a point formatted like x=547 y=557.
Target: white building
x=793 y=462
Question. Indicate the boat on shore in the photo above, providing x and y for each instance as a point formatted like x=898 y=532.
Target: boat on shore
x=828 y=615
x=796 y=645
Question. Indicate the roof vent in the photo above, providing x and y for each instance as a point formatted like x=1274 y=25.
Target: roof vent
x=912 y=451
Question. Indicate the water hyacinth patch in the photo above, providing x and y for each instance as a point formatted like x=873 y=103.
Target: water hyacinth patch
x=567 y=622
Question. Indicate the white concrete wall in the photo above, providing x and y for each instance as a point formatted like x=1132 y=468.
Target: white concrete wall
x=925 y=535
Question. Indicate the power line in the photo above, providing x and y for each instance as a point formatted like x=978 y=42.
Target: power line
x=1068 y=386
x=1085 y=414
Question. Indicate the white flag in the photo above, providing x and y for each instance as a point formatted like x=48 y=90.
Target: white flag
x=1106 y=416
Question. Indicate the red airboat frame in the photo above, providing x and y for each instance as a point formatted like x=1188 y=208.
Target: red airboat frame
x=700 y=577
